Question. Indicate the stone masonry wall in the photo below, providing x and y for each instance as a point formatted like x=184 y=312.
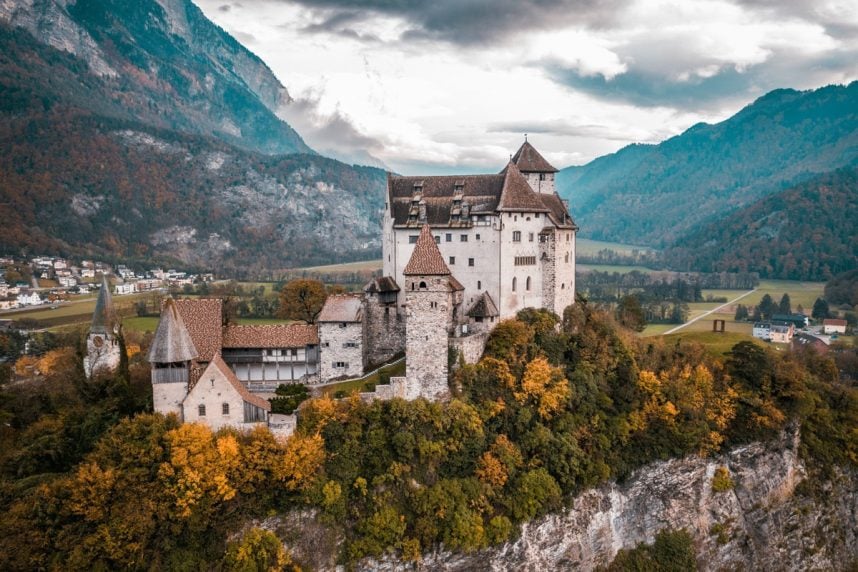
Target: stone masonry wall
x=385 y=330
x=168 y=397
x=341 y=343
x=214 y=390
x=470 y=347
x=428 y=322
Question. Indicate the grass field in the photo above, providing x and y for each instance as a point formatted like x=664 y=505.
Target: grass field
x=621 y=269
x=371 y=265
x=77 y=311
x=716 y=343
x=587 y=247
x=135 y=324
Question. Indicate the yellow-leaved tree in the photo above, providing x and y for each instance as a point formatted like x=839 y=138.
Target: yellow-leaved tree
x=543 y=385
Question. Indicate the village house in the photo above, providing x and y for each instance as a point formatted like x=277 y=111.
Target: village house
x=781 y=332
x=27 y=297
x=127 y=288
x=762 y=331
x=833 y=326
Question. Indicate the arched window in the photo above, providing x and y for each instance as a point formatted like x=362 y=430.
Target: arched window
x=225 y=408
x=201 y=410
x=527 y=284
x=567 y=257
x=422 y=285
x=563 y=286
x=514 y=283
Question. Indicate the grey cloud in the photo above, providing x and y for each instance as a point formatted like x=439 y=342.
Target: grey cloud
x=564 y=128
x=340 y=23
x=819 y=12
x=467 y=22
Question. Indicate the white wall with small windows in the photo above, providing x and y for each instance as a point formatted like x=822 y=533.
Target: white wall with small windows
x=520 y=266
x=342 y=349
x=216 y=402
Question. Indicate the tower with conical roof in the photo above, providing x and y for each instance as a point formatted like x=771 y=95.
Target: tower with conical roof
x=538 y=172
x=102 y=345
x=431 y=297
x=171 y=354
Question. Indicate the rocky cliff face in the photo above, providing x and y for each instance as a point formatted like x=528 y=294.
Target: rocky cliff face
x=162 y=62
x=767 y=521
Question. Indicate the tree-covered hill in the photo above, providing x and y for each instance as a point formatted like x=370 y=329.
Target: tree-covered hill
x=808 y=232
x=655 y=194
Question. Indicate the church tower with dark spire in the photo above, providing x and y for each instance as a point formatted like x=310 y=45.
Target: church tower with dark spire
x=102 y=343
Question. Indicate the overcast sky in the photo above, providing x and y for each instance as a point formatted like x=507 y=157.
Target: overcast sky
x=436 y=86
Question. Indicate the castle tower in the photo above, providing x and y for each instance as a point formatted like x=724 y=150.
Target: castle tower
x=170 y=355
x=538 y=172
x=102 y=345
x=430 y=293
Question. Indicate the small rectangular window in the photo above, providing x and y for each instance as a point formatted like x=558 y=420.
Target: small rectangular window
x=470 y=262
x=530 y=236
x=201 y=410
x=412 y=239
x=478 y=237
x=225 y=408
x=463 y=238
x=452 y=260
x=516 y=236
x=448 y=237
x=437 y=240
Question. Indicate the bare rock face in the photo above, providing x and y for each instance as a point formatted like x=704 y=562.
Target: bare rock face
x=761 y=523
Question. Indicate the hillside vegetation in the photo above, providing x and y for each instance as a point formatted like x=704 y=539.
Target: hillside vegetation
x=655 y=194
x=545 y=414
x=808 y=232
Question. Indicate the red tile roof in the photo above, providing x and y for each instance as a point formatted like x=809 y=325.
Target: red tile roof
x=341 y=308
x=833 y=322
x=271 y=336
x=426 y=260
x=203 y=319
x=528 y=160
x=218 y=363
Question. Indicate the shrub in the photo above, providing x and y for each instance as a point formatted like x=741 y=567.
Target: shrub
x=721 y=481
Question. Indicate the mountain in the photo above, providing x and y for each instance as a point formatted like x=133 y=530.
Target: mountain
x=808 y=232
x=141 y=131
x=159 y=62
x=654 y=194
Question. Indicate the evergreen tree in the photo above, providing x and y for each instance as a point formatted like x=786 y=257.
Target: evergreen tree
x=767 y=307
x=741 y=313
x=820 y=309
x=785 y=306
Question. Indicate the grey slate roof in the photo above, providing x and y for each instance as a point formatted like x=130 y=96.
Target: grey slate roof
x=103 y=318
x=382 y=285
x=172 y=342
x=426 y=260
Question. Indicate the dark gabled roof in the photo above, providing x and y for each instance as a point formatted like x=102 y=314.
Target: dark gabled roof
x=172 y=342
x=528 y=160
x=382 y=285
x=480 y=192
x=103 y=318
x=517 y=194
x=341 y=308
x=557 y=211
x=426 y=260
x=484 y=307
x=203 y=318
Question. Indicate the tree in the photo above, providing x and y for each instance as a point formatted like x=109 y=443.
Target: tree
x=630 y=314
x=741 y=313
x=820 y=309
x=302 y=300
x=767 y=307
x=258 y=550
x=785 y=306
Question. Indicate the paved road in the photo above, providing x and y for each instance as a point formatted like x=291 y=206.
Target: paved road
x=704 y=314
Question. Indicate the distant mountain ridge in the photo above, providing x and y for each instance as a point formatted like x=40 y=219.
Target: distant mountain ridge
x=655 y=194
x=160 y=62
x=807 y=232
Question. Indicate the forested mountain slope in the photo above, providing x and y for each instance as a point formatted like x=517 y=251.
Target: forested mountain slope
x=654 y=194
x=808 y=232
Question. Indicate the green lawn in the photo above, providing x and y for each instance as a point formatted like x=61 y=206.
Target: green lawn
x=345 y=267
x=622 y=269
x=136 y=324
x=804 y=293
x=77 y=311
x=587 y=247
x=351 y=385
x=716 y=343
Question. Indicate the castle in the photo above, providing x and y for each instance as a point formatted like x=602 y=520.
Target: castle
x=460 y=254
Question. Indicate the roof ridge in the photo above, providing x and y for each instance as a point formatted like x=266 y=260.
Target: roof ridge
x=529 y=160
x=517 y=194
x=246 y=395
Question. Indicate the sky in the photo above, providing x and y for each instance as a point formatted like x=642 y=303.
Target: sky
x=447 y=86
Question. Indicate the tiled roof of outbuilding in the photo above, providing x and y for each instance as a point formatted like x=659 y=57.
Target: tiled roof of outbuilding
x=341 y=308
x=271 y=336
x=528 y=160
x=383 y=284
x=426 y=260
x=203 y=318
x=172 y=342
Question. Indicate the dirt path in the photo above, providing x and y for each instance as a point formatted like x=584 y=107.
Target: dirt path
x=704 y=314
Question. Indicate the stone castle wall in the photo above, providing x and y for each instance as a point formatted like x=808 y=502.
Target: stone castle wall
x=167 y=398
x=428 y=322
x=384 y=328
x=470 y=347
x=341 y=343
